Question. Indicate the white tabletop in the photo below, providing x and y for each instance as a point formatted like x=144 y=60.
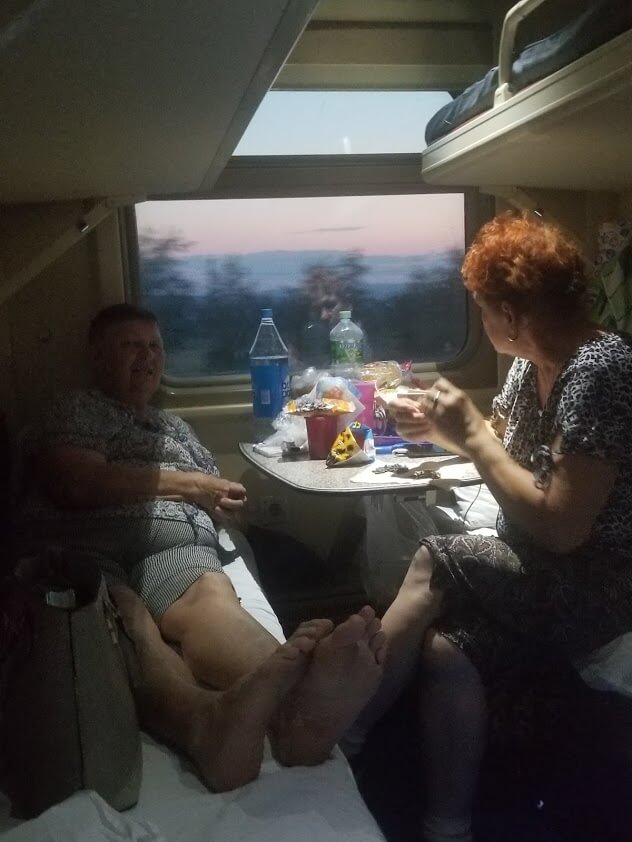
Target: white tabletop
x=313 y=476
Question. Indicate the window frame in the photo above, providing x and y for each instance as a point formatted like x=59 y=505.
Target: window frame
x=277 y=176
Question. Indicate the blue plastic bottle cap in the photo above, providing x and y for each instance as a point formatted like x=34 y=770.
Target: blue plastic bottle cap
x=266 y=314
x=345 y=314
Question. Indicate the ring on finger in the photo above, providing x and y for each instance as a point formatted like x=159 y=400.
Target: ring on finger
x=435 y=399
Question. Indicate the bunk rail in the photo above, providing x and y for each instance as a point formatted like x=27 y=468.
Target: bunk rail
x=513 y=19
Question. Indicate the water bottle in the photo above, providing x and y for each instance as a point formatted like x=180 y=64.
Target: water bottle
x=315 y=342
x=269 y=369
x=346 y=340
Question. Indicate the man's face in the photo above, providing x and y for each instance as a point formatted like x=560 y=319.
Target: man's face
x=129 y=361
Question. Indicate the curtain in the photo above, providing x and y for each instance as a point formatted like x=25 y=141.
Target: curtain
x=612 y=302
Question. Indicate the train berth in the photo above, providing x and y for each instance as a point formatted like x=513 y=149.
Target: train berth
x=568 y=91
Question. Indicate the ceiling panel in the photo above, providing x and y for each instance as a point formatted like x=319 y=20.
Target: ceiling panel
x=136 y=97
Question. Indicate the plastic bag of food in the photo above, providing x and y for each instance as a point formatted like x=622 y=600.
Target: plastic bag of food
x=330 y=396
x=289 y=436
x=386 y=373
x=354 y=446
x=305 y=381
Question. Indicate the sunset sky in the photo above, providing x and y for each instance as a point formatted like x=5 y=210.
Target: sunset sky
x=333 y=122
x=372 y=224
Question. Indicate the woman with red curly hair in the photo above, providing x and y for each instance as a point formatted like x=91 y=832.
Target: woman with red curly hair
x=487 y=613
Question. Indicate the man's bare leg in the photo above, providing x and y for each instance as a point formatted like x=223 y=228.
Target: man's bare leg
x=220 y=641
x=222 y=732
x=344 y=672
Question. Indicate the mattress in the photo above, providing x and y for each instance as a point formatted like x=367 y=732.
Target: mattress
x=320 y=803
x=597 y=24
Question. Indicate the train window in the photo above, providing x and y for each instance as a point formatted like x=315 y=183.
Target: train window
x=320 y=209
x=340 y=122
x=207 y=267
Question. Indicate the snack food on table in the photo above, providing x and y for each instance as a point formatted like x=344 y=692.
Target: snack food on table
x=307 y=406
x=386 y=373
x=331 y=387
x=354 y=445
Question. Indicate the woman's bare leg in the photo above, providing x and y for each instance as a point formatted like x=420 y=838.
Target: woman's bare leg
x=405 y=624
x=453 y=720
x=406 y=621
x=222 y=732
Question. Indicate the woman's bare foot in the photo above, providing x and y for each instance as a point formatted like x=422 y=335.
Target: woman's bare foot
x=228 y=728
x=343 y=674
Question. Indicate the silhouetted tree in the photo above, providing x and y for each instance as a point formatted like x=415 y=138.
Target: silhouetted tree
x=229 y=312
x=165 y=289
x=431 y=309
x=209 y=324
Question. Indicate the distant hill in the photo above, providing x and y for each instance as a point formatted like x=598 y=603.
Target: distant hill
x=274 y=270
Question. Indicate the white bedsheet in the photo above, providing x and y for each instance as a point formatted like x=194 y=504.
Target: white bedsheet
x=320 y=804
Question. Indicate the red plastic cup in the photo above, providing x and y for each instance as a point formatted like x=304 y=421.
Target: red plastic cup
x=322 y=431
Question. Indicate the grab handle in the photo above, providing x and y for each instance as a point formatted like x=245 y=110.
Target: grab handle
x=513 y=19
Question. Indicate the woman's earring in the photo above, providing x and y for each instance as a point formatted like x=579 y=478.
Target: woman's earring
x=511 y=338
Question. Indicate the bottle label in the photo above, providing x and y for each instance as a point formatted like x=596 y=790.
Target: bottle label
x=346 y=351
x=270 y=388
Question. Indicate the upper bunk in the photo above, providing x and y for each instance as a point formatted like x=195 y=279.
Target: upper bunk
x=123 y=99
x=570 y=129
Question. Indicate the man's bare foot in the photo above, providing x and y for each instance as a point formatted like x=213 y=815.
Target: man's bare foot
x=343 y=674
x=228 y=728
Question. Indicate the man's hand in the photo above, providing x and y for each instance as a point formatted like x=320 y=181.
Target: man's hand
x=217 y=495
x=77 y=477
x=231 y=499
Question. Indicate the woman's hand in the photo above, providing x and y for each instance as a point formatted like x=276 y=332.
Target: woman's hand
x=444 y=415
x=410 y=420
